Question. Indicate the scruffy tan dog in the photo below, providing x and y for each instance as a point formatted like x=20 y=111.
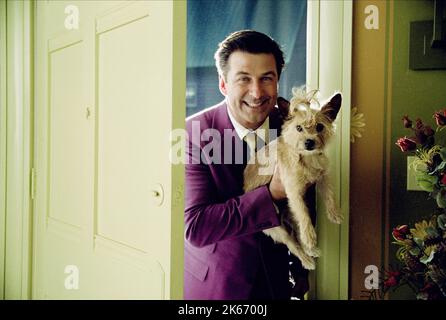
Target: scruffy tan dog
x=301 y=161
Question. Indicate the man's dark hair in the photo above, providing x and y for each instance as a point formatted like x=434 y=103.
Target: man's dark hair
x=247 y=41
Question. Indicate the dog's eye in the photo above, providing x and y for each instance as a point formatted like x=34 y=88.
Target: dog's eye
x=299 y=128
x=319 y=127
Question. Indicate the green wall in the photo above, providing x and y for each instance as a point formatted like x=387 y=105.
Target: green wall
x=417 y=94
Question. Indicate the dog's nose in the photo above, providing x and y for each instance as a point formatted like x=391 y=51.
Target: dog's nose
x=309 y=144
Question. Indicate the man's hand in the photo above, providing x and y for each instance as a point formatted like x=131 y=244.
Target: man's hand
x=276 y=187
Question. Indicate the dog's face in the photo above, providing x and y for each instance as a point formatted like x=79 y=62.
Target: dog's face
x=308 y=129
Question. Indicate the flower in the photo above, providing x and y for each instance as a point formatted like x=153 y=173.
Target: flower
x=406 y=144
x=399 y=233
x=428 y=131
x=391 y=282
x=407 y=122
x=419 y=231
x=443 y=179
x=422 y=245
x=430 y=165
x=440 y=117
x=357 y=124
x=422 y=255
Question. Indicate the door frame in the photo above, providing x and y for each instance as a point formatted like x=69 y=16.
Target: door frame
x=17 y=148
x=2 y=145
x=329 y=59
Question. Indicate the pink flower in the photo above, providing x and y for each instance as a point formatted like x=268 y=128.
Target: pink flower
x=440 y=117
x=419 y=124
x=406 y=144
x=400 y=233
x=428 y=131
x=421 y=137
x=407 y=122
x=391 y=282
x=392 y=278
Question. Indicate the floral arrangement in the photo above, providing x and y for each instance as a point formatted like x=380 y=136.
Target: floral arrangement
x=422 y=252
x=422 y=248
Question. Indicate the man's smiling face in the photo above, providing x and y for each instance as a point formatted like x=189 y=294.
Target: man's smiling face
x=250 y=87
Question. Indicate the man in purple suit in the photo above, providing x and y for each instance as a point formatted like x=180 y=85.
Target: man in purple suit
x=227 y=256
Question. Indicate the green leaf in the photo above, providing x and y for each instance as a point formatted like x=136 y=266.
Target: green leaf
x=426 y=182
x=422 y=296
x=441 y=221
x=441 y=199
x=419 y=242
x=400 y=253
x=440 y=167
x=425 y=259
x=443 y=153
x=431 y=232
x=434 y=193
x=415 y=251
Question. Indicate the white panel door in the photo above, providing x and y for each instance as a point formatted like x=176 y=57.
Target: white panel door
x=104 y=107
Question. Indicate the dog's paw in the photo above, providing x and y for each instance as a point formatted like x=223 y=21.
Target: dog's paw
x=334 y=216
x=314 y=252
x=337 y=218
x=308 y=262
x=309 y=238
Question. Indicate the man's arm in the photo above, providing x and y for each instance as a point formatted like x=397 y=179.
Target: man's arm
x=207 y=221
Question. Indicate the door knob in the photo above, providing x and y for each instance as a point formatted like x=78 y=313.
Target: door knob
x=157 y=194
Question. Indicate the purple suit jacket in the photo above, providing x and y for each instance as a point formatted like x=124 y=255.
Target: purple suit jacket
x=225 y=248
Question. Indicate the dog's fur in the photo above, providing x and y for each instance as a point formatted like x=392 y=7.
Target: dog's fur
x=301 y=161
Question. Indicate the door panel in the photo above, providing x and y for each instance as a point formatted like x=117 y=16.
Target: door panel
x=70 y=152
x=69 y=169
x=126 y=135
x=103 y=120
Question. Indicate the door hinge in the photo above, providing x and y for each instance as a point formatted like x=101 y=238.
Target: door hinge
x=33 y=183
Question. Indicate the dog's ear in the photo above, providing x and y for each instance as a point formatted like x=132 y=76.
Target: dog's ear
x=284 y=107
x=331 y=108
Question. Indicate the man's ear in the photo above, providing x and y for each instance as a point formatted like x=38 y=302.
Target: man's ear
x=222 y=85
x=331 y=108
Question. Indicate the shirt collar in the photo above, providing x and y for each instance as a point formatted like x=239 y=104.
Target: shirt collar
x=262 y=131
